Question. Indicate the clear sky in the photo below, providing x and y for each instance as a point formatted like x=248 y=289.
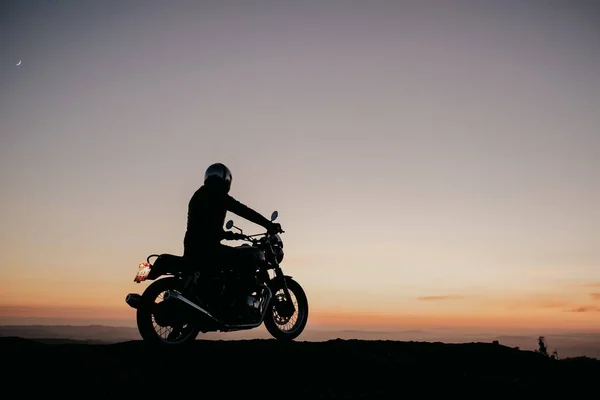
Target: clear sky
x=433 y=162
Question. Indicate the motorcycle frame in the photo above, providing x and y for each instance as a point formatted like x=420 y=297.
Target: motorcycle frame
x=272 y=284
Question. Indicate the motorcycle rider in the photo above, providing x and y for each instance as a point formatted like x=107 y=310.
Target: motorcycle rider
x=207 y=210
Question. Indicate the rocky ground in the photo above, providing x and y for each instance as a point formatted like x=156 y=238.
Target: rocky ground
x=266 y=368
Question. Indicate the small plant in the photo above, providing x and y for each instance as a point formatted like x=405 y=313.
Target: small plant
x=543 y=348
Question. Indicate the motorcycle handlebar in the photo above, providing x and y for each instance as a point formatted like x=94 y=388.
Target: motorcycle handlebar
x=250 y=237
x=265 y=233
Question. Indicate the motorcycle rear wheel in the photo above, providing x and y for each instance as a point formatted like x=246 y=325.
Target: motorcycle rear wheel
x=148 y=327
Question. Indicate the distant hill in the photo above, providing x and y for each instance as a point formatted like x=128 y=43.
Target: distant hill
x=100 y=333
x=267 y=368
x=567 y=344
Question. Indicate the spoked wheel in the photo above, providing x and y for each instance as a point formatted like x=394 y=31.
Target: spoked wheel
x=281 y=325
x=157 y=321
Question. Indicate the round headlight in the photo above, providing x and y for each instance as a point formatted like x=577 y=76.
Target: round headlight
x=279 y=254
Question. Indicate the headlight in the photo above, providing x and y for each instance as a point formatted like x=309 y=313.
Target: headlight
x=278 y=254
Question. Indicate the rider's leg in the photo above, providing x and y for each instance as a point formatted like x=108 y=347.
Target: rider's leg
x=201 y=280
x=228 y=261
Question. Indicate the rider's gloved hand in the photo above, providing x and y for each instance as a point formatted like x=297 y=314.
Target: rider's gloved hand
x=275 y=228
x=228 y=235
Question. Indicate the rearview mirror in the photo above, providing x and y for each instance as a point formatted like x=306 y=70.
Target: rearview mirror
x=229 y=224
x=274 y=216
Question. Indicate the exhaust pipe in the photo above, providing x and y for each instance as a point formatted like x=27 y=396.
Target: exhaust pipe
x=172 y=294
x=133 y=300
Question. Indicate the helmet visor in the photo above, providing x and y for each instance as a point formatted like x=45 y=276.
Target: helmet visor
x=218 y=171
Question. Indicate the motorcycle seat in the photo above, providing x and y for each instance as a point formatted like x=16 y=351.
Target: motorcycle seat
x=171 y=262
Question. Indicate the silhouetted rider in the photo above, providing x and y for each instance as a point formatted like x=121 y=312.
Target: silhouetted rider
x=207 y=210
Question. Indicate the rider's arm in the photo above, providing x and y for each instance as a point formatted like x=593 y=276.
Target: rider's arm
x=246 y=212
x=228 y=235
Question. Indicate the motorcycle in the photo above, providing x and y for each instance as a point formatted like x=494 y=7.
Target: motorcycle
x=171 y=311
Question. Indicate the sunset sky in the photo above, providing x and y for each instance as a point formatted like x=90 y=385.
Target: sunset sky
x=432 y=162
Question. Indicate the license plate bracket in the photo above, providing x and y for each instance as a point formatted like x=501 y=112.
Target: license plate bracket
x=142 y=273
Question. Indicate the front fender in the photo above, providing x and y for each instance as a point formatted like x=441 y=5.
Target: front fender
x=276 y=283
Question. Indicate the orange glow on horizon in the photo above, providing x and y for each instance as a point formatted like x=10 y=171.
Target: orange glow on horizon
x=348 y=320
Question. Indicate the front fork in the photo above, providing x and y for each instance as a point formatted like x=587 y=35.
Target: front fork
x=286 y=307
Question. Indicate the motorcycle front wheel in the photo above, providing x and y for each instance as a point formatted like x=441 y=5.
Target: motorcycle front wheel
x=149 y=323
x=288 y=327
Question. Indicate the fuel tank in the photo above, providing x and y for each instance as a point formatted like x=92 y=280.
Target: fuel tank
x=249 y=255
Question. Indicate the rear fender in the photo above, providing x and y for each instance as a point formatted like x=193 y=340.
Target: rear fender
x=165 y=264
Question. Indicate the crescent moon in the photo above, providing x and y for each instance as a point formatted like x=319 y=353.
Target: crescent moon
x=19 y=63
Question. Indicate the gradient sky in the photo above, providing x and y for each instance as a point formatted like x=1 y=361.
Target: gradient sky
x=433 y=162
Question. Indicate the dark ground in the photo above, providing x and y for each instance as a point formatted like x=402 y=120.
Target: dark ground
x=270 y=369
